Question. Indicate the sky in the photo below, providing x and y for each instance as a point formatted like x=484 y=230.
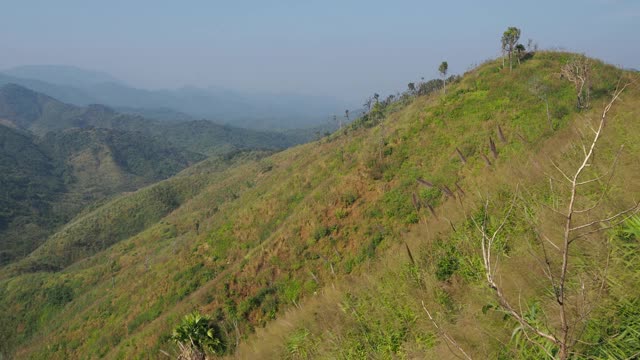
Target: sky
x=340 y=48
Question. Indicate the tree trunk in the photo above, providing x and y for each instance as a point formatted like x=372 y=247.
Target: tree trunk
x=510 y=62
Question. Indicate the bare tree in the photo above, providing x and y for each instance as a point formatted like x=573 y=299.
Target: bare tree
x=571 y=303
x=578 y=71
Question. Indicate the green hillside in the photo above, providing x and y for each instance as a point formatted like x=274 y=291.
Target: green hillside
x=335 y=249
x=135 y=153
x=29 y=183
x=58 y=158
x=46 y=181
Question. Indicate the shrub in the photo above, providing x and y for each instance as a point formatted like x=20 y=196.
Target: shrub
x=197 y=334
x=349 y=198
x=59 y=295
x=446 y=266
x=321 y=232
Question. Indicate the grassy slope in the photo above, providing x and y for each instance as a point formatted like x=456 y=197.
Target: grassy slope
x=324 y=225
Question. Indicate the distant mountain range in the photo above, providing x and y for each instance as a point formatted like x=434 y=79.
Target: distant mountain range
x=57 y=158
x=256 y=110
x=39 y=113
x=62 y=74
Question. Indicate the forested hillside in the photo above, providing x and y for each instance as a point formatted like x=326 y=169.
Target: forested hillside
x=46 y=181
x=57 y=158
x=434 y=226
x=36 y=112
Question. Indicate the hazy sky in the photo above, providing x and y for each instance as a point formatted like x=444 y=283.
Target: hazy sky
x=343 y=48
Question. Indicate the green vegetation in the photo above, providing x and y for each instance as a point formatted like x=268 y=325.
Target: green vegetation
x=47 y=181
x=195 y=335
x=80 y=156
x=41 y=114
x=336 y=248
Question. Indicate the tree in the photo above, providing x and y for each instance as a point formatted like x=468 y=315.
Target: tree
x=520 y=52
x=367 y=104
x=195 y=335
x=346 y=115
x=578 y=71
x=430 y=86
x=574 y=288
x=443 y=68
x=389 y=100
x=412 y=88
x=509 y=40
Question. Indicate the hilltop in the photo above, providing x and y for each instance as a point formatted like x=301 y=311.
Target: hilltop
x=336 y=248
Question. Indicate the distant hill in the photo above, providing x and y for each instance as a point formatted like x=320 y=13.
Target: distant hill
x=251 y=110
x=62 y=75
x=133 y=153
x=57 y=158
x=64 y=93
x=29 y=181
x=160 y=114
x=45 y=181
x=39 y=113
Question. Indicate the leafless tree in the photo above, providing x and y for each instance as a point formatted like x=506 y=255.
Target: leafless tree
x=572 y=305
x=578 y=72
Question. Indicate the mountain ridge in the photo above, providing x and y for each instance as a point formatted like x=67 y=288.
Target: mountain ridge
x=336 y=248
x=249 y=110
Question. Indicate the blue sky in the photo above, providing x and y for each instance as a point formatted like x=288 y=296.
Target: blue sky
x=347 y=49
